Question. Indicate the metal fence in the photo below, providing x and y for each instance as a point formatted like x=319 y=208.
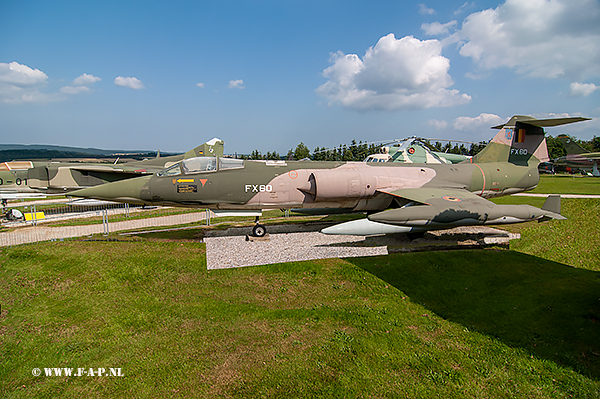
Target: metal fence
x=51 y=220
x=34 y=212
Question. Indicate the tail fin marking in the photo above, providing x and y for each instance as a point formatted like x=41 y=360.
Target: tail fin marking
x=521 y=141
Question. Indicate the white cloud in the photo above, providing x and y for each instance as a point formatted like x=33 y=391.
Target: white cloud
x=75 y=89
x=130 y=82
x=538 y=38
x=582 y=89
x=479 y=122
x=437 y=29
x=200 y=85
x=437 y=124
x=236 y=84
x=462 y=8
x=86 y=80
x=80 y=84
x=475 y=76
x=21 y=84
x=396 y=74
x=19 y=75
x=423 y=9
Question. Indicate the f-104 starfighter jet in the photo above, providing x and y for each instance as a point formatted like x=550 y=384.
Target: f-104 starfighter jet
x=398 y=198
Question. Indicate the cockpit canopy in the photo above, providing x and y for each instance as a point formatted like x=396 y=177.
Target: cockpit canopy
x=201 y=164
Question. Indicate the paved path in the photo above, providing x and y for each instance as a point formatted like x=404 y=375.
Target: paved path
x=229 y=252
x=298 y=242
x=42 y=233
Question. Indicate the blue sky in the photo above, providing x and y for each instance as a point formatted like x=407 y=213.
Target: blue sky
x=267 y=74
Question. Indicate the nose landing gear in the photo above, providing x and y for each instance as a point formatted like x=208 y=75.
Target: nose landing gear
x=258 y=230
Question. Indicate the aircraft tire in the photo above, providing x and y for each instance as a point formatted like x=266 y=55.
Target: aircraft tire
x=259 y=230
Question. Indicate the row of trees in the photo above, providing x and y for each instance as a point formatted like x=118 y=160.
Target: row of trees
x=556 y=148
x=354 y=151
x=359 y=151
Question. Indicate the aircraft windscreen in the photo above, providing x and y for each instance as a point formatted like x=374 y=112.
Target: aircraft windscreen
x=171 y=170
x=199 y=164
x=229 y=163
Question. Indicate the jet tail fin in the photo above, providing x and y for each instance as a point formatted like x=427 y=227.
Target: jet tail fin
x=212 y=148
x=521 y=141
x=572 y=147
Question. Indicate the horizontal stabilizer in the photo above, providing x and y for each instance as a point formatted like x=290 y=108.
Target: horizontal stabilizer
x=551 y=209
x=541 y=122
x=552 y=204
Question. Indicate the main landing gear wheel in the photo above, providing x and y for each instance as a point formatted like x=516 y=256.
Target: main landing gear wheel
x=259 y=230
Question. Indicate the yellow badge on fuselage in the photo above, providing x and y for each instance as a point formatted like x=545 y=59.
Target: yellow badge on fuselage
x=175 y=181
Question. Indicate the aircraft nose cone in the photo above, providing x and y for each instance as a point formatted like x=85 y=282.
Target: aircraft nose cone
x=129 y=190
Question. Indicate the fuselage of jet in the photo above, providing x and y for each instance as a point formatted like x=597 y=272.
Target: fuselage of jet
x=398 y=197
x=359 y=186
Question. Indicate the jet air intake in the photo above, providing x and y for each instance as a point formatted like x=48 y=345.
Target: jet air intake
x=332 y=184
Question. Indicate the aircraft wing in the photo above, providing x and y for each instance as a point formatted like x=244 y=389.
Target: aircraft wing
x=444 y=208
x=590 y=155
x=120 y=168
x=434 y=196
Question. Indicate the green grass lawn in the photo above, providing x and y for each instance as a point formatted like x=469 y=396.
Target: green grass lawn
x=574 y=242
x=460 y=324
x=567 y=184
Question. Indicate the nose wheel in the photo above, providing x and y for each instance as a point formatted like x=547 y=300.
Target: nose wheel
x=259 y=230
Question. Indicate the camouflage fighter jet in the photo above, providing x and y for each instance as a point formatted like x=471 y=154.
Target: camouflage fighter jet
x=577 y=156
x=35 y=179
x=398 y=197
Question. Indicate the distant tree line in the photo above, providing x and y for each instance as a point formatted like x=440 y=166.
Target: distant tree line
x=26 y=154
x=354 y=151
x=16 y=155
x=359 y=151
x=460 y=149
